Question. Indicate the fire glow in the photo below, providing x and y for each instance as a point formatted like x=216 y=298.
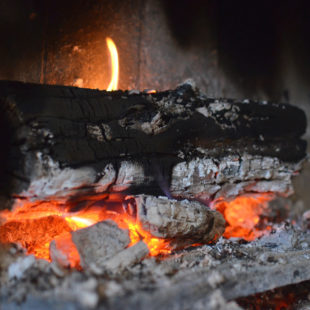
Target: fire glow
x=36 y=224
x=243 y=216
x=114 y=64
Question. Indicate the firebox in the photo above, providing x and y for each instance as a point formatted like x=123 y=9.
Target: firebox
x=128 y=178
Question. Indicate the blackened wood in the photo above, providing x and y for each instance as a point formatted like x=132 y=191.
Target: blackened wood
x=48 y=129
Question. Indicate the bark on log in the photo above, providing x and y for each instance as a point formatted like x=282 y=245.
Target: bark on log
x=57 y=139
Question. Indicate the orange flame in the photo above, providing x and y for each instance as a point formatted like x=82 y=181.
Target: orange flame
x=156 y=246
x=151 y=91
x=114 y=62
x=243 y=216
x=35 y=224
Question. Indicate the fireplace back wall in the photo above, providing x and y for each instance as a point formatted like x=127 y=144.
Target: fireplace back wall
x=240 y=49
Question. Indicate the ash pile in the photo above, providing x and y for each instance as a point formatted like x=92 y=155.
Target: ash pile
x=189 y=195
x=204 y=277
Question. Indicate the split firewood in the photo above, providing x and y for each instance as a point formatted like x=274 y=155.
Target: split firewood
x=62 y=141
x=100 y=242
x=183 y=222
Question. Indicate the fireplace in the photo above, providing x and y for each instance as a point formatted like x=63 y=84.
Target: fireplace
x=128 y=181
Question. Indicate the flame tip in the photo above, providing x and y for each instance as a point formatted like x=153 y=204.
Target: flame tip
x=115 y=64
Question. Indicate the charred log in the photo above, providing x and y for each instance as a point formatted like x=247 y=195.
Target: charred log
x=58 y=139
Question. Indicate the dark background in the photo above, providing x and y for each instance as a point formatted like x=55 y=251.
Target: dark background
x=253 y=44
x=253 y=49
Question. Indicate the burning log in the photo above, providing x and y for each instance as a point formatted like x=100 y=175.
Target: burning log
x=183 y=222
x=170 y=224
x=64 y=142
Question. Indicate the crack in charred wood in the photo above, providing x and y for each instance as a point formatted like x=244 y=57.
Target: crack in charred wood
x=67 y=125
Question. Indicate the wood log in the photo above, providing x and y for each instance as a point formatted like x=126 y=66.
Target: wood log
x=59 y=140
x=183 y=222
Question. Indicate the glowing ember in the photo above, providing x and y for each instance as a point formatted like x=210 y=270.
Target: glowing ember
x=243 y=216
x=151 y=91
x=114 y=62
x=281 y=298
x=36 y=224
x=156 y=245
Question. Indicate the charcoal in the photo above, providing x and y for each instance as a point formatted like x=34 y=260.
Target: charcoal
x=126 y=258
x=100 y=242
x=185 y=222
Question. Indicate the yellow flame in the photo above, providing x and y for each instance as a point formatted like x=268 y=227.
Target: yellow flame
x=114 y=61
x=152 y=91
x=76 y=222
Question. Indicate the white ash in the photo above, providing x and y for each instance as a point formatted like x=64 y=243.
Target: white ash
x=110 y=289
x=129 y=173
x=247 y=173
x=48 y=179
x=18 y=268
x=284 y=237
x=276 y=186
x=127 y=257
x=202 y=177
x=215 y=278
x=85 y=293
x=231 y=114
x=9 y=253
x=204 y=111
x=73 y=288
x=99 y=242
x=189 y=279
x=216 y=302
x=108 y=177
